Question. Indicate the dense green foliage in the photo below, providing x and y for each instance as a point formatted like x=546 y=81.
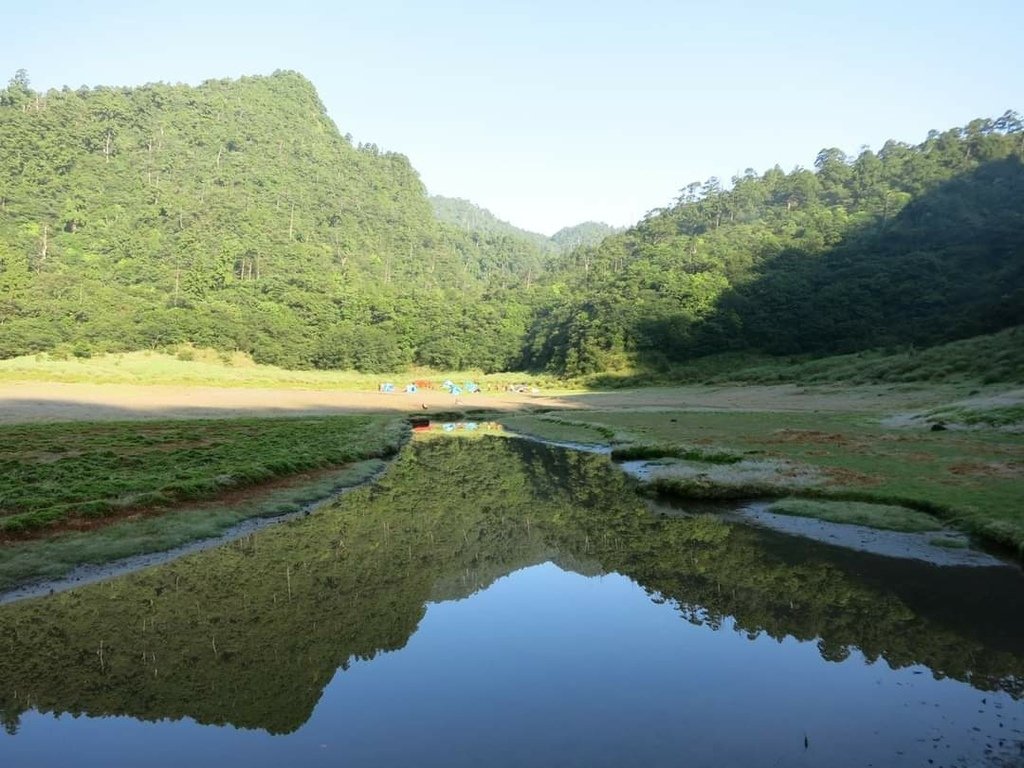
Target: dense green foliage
x=504 y=252
x=235 y=215
x=991 y=358
x=250 y=634
x=59 y=473
x=485 y=225
x=479 y=221
x=589 y=233
x=912 y=244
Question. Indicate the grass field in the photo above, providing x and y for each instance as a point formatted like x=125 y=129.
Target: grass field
x=209 y=368
x=58 y=554
x=885 y=516
x=61 y=476
x=983 y=360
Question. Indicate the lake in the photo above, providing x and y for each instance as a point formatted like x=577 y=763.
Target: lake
x=498 y=602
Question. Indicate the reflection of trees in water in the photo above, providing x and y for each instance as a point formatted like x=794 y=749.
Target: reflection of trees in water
x=11 y=721
x=251 y=633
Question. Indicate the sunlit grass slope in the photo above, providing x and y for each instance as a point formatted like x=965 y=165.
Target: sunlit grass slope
x=996 y=358
x=200 y=367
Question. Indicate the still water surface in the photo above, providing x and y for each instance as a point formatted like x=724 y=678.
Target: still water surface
x=496 y=602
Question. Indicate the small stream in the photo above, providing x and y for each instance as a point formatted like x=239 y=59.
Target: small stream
x=508 y=603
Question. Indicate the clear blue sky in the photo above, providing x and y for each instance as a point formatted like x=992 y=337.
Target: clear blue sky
x=551 y=113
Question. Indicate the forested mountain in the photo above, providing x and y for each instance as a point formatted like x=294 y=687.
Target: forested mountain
x=587 y=233
x=531 y=246
x=472 y=218
x=235 y=215
x=909 y=245
x=495 y=246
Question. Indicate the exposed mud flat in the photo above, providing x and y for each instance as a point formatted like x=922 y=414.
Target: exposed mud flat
x=913 y=546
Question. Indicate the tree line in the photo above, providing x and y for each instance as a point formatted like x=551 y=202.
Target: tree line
x=913 y=244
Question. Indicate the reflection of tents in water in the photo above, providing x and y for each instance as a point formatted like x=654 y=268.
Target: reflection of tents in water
x=467 y=426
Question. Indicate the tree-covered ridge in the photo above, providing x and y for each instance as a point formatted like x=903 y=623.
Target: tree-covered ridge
x=234 y=215
x=249 y=634
x=589 y=233
x=504 y=251
x=472 y=218
x=912 y=244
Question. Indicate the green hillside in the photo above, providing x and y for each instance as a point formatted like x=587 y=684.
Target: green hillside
x=911 y=245
x=472 y=218
x=232 y=215
x=504 y=249
x=579 y=235
x=235 y=215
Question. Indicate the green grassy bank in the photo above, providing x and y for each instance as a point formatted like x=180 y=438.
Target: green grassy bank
x=970 y=479
x=57 y=555
x=94 y=492
x=996 y=358
x=68 y=474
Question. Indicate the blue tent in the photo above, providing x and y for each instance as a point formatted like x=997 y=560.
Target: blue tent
x=411 y=389
x=387 y=386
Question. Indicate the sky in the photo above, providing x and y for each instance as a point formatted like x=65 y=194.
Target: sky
x=553 y=113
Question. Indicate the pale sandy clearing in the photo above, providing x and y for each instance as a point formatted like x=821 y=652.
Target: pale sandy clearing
x=38 y=402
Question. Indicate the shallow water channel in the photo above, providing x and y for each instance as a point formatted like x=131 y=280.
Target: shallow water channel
x=497 y=602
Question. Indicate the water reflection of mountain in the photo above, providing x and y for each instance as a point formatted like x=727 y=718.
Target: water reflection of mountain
x=250 y=634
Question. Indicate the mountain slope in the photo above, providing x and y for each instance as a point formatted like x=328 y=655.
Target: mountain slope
x=479 y=221
x=472 y=218
x=233 y=215
x=578 y=235
x=915 y=244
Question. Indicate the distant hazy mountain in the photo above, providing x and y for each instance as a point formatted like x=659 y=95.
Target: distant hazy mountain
x=587 y=233
x=473 y=218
